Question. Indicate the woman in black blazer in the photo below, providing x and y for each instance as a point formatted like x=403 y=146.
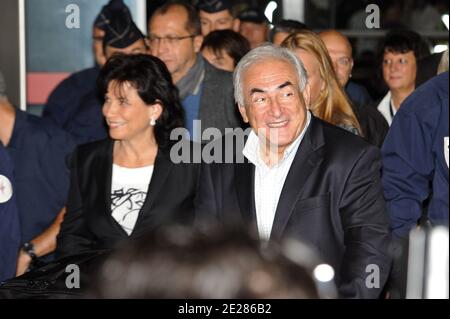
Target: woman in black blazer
x=127 y=185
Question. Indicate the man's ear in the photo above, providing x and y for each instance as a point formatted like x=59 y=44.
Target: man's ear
x=307 y=96
x=236 y=25
x=198 y=40
x=243 y=112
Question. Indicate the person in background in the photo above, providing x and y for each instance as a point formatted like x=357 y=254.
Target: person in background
x=341 y=53
x=10 y=235
x=65 y=98
x=224 y=49
x=121 y=36
x=281 y=30
x=415 y=156
x=205 y=91
x=39 y=150
x=373 y=124
x=216 y=15
x=400 y=51
x=328 y=101
x=254 y=26
x=415 y=169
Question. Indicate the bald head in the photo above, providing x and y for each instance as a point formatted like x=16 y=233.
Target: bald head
x=340 y=51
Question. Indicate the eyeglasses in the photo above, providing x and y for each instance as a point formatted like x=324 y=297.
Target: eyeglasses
x=170 y=40
x=344 y=61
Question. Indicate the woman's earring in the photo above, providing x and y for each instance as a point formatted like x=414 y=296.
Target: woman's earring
x=152 y=122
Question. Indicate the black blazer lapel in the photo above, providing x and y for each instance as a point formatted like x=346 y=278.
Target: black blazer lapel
x=162 y=168
x=308 y=156
x=244 y=183
x=104 y=167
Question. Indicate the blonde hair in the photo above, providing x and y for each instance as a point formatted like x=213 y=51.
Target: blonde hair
x=332 y=105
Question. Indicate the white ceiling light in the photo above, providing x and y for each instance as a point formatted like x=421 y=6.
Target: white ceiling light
x=271 y=7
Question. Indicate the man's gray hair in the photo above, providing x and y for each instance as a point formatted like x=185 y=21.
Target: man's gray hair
x=266 y=52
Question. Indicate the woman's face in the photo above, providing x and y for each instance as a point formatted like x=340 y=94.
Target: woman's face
x=127 y=116
x=315 y=81
x=221 y=61
x=399 y=70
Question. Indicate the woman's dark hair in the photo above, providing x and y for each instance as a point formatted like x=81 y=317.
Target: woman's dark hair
x=403 y=41
x=288 y=26
x=153 y=82
x=232 y=42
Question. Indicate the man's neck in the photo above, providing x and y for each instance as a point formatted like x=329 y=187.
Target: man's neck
x=7 y=119
x=272 y=155
x=177 y=76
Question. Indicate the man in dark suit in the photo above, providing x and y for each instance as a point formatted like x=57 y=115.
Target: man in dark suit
x=301 y=178
x=205 y=91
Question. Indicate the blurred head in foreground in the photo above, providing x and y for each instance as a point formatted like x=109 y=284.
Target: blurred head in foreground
x=181 y=263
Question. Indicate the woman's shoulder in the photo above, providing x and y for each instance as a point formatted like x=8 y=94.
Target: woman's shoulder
x=85 y=152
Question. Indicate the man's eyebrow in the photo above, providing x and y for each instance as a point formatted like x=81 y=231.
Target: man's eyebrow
x=285 y=84
x=256 y=90
x=281 y=86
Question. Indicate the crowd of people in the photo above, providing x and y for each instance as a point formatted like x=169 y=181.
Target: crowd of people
x=323 y=163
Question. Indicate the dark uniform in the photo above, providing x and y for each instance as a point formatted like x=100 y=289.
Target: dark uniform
x=74 y=105
x=39 y=151
x=415 y=155
x=9 y=218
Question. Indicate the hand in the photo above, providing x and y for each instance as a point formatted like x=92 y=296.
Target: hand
x=23 y=262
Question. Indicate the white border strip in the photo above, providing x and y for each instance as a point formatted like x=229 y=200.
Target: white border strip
x=141 y=18
x=22 y=57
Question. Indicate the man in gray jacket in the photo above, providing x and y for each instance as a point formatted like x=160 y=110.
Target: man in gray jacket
x=206 y=92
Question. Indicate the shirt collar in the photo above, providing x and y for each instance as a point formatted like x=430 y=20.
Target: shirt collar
x=252 y=147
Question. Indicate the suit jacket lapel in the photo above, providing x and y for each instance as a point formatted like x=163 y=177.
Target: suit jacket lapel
x=104 y=180
x=244 y=183
x=308 y=156
x=161 y=171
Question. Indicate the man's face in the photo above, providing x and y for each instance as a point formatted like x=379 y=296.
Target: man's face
x=220 y=60
x=274 y=105
x=137 y=47
x=171 y=42
x=340 y=52
x=399 y=70
x=255 y=33
x=222 y=20
x=97 y=45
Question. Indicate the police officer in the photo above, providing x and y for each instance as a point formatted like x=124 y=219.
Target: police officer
x=9 y=218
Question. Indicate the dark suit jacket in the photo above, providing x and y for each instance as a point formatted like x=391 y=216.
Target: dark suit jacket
x=88 y=223
x=373 y=124
x=217 y=107
x=331 y=199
